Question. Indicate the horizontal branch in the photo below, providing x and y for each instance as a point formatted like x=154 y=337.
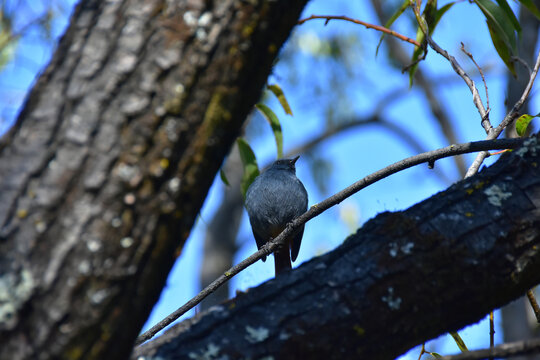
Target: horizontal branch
x=315 y=210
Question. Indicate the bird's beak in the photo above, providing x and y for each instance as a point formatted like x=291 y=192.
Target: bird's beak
x=293 y=160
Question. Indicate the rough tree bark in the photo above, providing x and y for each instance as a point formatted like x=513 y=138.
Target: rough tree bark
x=111 y=158
x=402 y=279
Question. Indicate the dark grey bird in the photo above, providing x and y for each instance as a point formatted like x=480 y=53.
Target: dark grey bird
x=275 y=198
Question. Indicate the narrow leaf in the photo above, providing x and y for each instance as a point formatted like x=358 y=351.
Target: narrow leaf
x=276 y=126
x=390 y=21
x=436 y=355
x=417 y=53
x=459 y=341
x=500 y=23
x=502 y=49
x=224 y=177
x=523 y=122
x=249 y=161
x=529 y=4
x=429 y=13
x=432 y=17
x=509 y=14
x=276 y=90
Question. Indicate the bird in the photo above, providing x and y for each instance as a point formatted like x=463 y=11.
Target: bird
x=274 y=199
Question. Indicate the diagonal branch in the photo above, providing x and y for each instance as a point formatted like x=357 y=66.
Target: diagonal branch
x=509 y=118
x=457 y=68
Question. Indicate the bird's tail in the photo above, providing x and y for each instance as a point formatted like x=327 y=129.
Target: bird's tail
x=282 y=260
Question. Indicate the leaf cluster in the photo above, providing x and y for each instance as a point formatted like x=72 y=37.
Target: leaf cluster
x=503 y=26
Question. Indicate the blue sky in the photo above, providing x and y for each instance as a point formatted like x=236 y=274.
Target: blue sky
x=353 y=154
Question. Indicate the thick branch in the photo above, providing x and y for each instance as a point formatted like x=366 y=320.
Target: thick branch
x=402 y=279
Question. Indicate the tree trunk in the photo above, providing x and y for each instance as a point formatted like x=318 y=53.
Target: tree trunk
x=402 y=279
x=111 y=158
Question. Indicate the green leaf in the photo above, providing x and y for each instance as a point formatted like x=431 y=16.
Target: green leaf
x=276 y=126
x=436 y=355
x=429 y=13
x=531 y=6
x=432 y=15
x=459 y=341
x=249 y=161
x=8 y=48
x=502 y=27
x=510 y=14
x=504 y=52
x=390 y=21
x=276 y=90
x=523 y=122
x=501 y=21
x=8 y=40
x=418 y=51
x=224 y=177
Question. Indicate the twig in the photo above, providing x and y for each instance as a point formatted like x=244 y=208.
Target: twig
x=534 y=304
x=522 y=62
x=422 y=351
x=455 y=65
x=317 y=209
x=500 y=351
x=481 y=74
x=509 y=118
x=491 y=332
x=360 y=22
x=429 y=90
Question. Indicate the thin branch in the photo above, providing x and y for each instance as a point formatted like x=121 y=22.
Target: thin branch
x=317 y=209
x=500 y=351
x=428 y=87
x=517 y=106
x=534 y=304
x=481 y=74
x=491 y=332
x=508 y=119
x=522 y=62
x=455 y=65
x=422 y=351
x=360 y=22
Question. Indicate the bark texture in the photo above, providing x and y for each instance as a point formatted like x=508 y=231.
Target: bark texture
x=111 y=158
x=402 y=279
